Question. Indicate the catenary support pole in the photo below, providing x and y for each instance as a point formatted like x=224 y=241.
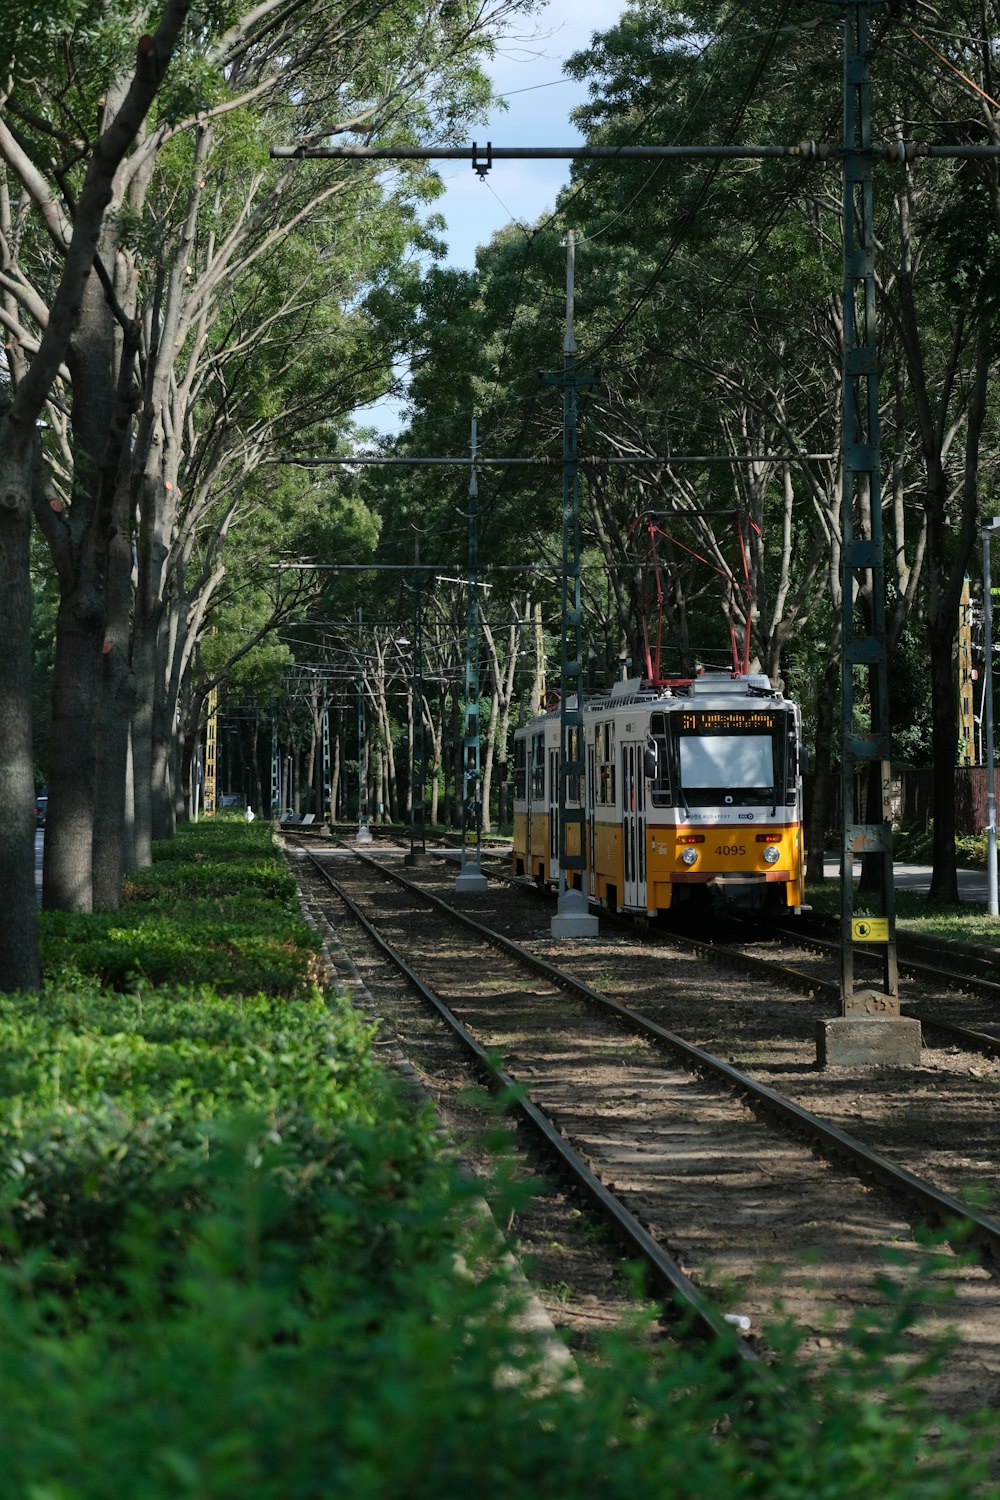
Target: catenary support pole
x=470 y=874
x=275 y=769
x=870 y=1028
x=326 y=811
x=573 y=917
x=418 y=765
x=363 y=835
x=991 y=802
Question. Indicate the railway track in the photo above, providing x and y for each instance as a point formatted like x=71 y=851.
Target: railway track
x=687 y=1141
x=960 y=1004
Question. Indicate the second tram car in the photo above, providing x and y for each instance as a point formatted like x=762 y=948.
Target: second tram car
x=536 y=799
x=692 y=791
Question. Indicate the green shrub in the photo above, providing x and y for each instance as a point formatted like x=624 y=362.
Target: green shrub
x=234 y=954
x=217 y=839
x=226 y=916
x=107 y=1101
x=232 y=1266
x=366 y=1362
x=916 y=846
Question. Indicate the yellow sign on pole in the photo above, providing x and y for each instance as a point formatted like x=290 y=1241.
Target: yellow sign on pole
x=870 y=929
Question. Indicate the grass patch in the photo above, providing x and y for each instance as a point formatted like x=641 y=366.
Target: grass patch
x=968 y=923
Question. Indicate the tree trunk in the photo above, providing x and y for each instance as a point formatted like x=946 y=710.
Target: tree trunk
x=19 y=968
x=944 y=740
x=114 y=720
x=489 y=755
x=435 y=763
x=68 y=877
x=338 y=761
x=161 y=789
x=80 y=552
x=144 y=666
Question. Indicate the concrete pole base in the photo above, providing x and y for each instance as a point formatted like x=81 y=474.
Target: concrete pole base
x=573 y=918
x=471 y=878
x=868 y=1042
x=417 y=859
x=363 y=835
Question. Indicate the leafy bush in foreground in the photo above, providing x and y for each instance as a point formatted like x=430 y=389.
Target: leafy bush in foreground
x=231 y=1266
x=367 y=1363
x=109 y=1100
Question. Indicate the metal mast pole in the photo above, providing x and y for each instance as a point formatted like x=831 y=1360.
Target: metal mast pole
x=326 y=811
x=418 y=766
x=861 y=1034
x=363 y=835
x=275 y=769
x=573 y=917
x=992 y=905
x=470 y=875
x=211 y=747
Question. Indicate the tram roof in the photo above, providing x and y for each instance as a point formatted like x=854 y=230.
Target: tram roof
x=711 y=689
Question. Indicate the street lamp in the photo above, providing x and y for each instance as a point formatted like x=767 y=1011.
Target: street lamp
x=991 y=804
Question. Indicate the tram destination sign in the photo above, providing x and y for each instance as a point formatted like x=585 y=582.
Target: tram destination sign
x=727 y=720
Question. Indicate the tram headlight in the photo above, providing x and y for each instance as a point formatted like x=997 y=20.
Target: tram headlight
x=771 y=854
x=689 y=856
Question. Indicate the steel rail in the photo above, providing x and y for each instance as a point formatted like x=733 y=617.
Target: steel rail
x=939 y=1206
x=988 y=987
x=665 y=1272
x=976 y=1041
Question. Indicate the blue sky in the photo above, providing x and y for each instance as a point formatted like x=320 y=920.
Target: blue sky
x=527 y=71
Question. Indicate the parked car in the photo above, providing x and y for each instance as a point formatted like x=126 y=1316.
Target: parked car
x=41 y=808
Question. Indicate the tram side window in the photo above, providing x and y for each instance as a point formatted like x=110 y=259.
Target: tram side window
x=604 y=764
x=659 y=786
x=520 y=777
x=537 y=767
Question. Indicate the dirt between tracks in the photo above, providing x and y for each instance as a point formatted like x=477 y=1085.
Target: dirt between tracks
x=657 y=1139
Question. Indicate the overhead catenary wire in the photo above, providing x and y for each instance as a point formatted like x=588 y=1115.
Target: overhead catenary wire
x=560 y=212
x=722 y=153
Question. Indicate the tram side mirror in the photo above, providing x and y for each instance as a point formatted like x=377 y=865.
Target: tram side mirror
x=649 y=762
x=803 y=761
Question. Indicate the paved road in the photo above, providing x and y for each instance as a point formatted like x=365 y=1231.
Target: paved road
x=971 y=883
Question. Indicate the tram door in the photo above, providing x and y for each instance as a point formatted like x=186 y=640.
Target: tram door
x=553 y=784
x=536 y=800
x=633 y=827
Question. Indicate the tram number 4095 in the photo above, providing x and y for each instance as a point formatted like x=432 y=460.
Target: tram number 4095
x=730 y=848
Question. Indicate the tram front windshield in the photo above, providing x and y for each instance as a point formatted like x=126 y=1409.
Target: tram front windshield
x=726 y=762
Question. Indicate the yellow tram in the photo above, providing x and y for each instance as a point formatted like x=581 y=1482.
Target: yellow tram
x=692 y=791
